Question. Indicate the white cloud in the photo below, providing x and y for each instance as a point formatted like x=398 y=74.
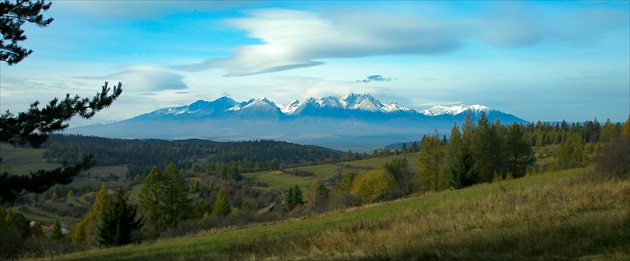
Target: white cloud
x=141 y=78
x=294 y=39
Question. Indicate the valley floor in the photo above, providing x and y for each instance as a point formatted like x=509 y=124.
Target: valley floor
x=563 y=215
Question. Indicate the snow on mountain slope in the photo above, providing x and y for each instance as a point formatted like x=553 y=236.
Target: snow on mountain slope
x=348 y=106
x=454 y=110
x=355 y=102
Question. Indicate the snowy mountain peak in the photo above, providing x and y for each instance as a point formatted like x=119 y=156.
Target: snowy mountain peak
x=289 y=108
x=454 y=110
x=351 y=101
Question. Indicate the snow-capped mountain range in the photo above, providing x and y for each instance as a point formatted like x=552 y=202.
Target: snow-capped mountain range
x=350 y=121
x=363 y=103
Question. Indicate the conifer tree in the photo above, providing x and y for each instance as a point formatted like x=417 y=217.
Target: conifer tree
x=486 y=148
x=399 y=168
x=461 y=167
x=298 y=198
x=289 y=200
x=174 y=201
x=56 y=230
x=118 y=222
x=430 y=163
x=518 y=154
x=570 y=152
x=221 y=206
x=149 y=204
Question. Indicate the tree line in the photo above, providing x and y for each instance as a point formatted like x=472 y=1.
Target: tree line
x=142 y=155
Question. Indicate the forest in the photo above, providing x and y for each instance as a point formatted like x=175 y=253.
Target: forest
x=168 y=200
x=141 y=155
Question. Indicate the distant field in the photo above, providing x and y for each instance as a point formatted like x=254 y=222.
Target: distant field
x=560 y=215
x=23 y=160
x=278 y=179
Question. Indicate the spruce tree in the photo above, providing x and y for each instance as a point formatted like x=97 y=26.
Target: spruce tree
x=461 y=167
x=221 y=206
x=486 y=148
x=289 y=200
x=518 y=154
x=149 y=202
x=118 y=222
x=298 y=198
x=174 y=201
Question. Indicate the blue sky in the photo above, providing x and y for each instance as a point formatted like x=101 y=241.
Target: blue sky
x=538 y=60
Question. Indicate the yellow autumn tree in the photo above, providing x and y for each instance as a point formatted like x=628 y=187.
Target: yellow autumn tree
x=85 y=231
x=375 y=185
x=626 y=128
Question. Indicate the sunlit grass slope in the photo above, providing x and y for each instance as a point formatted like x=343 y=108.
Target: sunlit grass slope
x=278 y=179
x=561 y=215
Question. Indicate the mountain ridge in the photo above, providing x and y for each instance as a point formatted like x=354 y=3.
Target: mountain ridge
x=349 y=102
x=353 y=121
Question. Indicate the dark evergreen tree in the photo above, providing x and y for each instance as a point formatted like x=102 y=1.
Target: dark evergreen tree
x=118 y=222
x=486 y=148
x=399 y=168
x=298 y=197
x=518 y=154
x=289 y=200
x=461 y=166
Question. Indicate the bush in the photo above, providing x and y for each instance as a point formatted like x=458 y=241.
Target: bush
x=613 y=160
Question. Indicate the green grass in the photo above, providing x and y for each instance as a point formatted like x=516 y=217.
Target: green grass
x=498 y=214
x=277 y=179
x=280 y=180
x=23 y=160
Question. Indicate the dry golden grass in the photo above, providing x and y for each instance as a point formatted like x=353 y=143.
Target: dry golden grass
x=580 y=218
x=558 y=216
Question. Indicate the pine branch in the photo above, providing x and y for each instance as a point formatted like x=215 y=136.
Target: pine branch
x=33 y=126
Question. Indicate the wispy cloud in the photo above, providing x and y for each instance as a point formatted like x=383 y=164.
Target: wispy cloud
x=293 y=39
x=141 y=78
x=376 y=78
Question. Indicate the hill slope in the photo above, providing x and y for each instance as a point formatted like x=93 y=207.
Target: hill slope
x=563 y=215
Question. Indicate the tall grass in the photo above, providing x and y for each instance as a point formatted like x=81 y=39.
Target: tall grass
x=578 y=218
x=561 y=215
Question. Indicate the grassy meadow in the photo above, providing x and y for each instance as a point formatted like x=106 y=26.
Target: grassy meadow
x=560 y=215
x=282 y=180
x=23 y=160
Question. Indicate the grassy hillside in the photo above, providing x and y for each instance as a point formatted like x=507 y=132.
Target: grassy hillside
x=561 y=215
x=279 y=179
